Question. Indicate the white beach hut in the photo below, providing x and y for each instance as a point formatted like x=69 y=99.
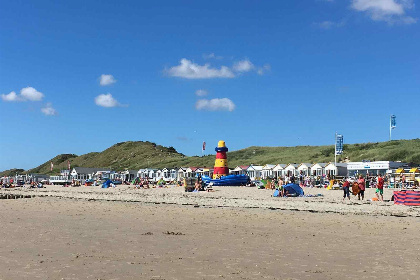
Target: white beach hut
x=291 y=169
x=318 y=169
x=267 y=171
x=305 y=168
x=240 y=170
x=336 y=169
x=278 y=170
x=254 y=172
x=182 y=173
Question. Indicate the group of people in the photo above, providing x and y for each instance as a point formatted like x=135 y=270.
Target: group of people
x=359 y=186
x=142 y=183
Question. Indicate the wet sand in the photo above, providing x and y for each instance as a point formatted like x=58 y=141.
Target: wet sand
x=61 y=238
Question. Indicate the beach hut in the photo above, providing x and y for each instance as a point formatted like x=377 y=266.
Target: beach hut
x=149 y=173
x=165 y=174
x=254 y=172
x=291 y=169
x=304 y=168
x=128 y=175
x=181 y=173
x=267 y=171
x=240 y=170
x=318 y=169
x=173 y=174
x=84 y=173
x=208 y=172
x=191 y=171
x=199 y=171
x=336 y=169
x=278 y=170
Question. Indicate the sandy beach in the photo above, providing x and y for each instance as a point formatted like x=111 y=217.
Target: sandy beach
x=232 y=233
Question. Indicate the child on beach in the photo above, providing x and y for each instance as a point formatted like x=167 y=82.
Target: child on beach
x=380 y=188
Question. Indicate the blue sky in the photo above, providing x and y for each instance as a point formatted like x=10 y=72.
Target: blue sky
x=80 y=76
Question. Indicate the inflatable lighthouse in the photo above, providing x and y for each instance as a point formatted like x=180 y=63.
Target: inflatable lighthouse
x=220 y=165
x=221 y=175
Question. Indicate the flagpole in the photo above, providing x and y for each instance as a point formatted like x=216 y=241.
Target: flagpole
x=390 y=127
x=335 y=150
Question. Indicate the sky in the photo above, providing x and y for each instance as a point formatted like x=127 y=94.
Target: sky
x=80 y=76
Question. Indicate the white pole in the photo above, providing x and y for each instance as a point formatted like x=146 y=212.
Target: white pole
x=335 y=150
x=390 y=127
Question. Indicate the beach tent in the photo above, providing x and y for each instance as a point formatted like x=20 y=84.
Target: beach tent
x=293 y=189
x=106 y=184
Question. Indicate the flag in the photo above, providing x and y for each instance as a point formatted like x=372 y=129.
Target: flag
x=204 y=146
x=52 y=166
x=339 y=144
x=393 y=121
x=68 y=165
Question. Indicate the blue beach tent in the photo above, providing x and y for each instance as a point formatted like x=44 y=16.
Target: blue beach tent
x=294 y=189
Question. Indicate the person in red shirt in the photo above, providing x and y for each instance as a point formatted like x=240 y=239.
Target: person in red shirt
x=346 y=189
x=380 y=188
x=362 y=187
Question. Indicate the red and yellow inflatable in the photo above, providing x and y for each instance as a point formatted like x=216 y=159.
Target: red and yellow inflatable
x=220 y=166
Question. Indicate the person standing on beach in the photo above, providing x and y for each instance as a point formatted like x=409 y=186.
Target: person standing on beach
x=346 y=189
x=380 y=188
x=280 y=182
x=362 y=187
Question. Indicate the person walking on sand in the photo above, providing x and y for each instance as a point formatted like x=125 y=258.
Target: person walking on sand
x=346 y=189
x=362 y=187
x=380 y=188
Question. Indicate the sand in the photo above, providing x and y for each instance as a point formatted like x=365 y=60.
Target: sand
x=124 y=233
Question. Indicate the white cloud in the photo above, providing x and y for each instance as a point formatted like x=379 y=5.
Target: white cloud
x=106 y=80
x=263 y=69
x=243 y=66
x=106 y=100
x=327 y=24
x=48 y=110
x=212 y=55
x=11 y=97
x=222 y=104
x=201 y=92
x=31 y=94
x=391 y=11
x=189 y=70
x=26 y=94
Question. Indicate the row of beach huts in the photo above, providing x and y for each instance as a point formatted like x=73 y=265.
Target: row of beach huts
x=255 y=172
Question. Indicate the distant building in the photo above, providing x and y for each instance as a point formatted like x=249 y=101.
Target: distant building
x=372 y=168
